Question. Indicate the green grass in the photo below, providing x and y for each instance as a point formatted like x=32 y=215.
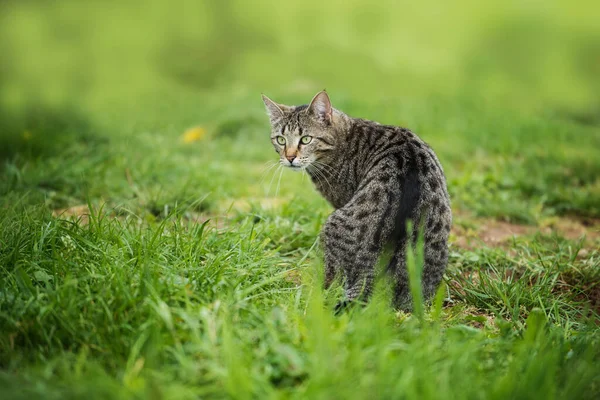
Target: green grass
x=198 y=272
x=178 y=309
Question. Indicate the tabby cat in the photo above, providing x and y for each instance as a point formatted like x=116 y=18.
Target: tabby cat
x=377 y=177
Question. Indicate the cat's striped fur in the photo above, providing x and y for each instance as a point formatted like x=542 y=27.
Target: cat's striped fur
x=376 y=177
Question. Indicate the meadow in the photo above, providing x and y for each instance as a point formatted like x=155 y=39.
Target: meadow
x=149 y=248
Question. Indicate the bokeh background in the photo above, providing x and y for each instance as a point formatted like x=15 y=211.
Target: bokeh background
x=508 y=93
x=533 y=52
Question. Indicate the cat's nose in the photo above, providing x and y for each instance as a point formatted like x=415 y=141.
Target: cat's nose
x=290 y=158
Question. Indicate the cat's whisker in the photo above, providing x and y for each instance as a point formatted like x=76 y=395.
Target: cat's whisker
x=320 y=178
x=330 y=169
x=270 y=165
x=278 y=182
x=266 y=171
x=271 y=171
x=321 y=174
x=273 y=177
x=267 y=163
x=267 y=168
x=325 y=168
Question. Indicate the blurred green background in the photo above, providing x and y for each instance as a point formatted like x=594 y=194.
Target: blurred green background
x=532 y=52
x=508 y=93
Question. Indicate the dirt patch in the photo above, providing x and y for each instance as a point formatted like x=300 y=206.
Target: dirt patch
x=573 y=228
x=491 y=232
x=494 y=233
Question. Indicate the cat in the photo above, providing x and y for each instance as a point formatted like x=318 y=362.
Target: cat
x=377 y=177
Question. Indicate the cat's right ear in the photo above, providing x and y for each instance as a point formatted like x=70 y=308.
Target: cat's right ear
x=320 y=106
x=274 y=110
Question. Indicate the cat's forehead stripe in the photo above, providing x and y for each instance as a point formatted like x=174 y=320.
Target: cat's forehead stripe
x=292 y=123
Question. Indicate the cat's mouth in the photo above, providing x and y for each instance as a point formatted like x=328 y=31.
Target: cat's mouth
x=295 y=164
x=294 y=167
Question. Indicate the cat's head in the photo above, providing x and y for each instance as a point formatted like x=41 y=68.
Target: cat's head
x=302 y=134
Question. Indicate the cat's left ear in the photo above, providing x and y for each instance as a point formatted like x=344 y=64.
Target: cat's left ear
x=320 y=106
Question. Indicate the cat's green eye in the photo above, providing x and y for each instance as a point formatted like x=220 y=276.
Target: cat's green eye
x=305 y=139
x=280 y=140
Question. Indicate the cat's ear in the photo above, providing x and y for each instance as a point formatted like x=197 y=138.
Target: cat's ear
x=320 y=106
x=274 y=110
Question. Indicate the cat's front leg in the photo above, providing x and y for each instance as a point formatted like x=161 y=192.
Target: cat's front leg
x=331 y=266
x=329 y=276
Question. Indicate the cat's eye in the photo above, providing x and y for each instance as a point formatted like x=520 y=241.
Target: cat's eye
x=280 y=140
x=305 y=139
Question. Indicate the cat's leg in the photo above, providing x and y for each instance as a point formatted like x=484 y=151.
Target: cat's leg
x=437 y=230
x=331 y=262
x=402 y=297
x=354 y=234
x=345 y=249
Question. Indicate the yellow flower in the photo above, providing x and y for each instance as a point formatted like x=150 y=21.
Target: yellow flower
x=193 y=134
x=27 y=135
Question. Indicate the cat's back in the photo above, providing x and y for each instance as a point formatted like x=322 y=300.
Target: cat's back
x=392 y=149
x=375 y=142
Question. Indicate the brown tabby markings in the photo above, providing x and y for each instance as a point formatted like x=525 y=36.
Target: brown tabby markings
x=377 y=177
